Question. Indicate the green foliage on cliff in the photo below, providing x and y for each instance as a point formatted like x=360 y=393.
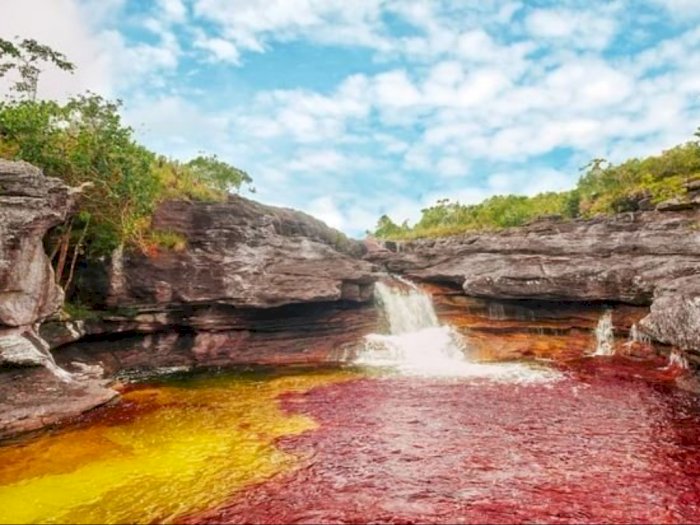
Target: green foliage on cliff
x=603 y=189
x=85 y=143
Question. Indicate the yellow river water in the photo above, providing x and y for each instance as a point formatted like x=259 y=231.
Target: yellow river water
x=165 y=451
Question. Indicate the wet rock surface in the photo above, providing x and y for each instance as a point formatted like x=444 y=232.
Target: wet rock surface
x=34 y=398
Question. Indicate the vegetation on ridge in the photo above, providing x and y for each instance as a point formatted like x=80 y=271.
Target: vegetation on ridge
x=85 y=143
x=603 y=189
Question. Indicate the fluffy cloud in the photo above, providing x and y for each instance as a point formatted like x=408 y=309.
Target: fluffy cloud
x=583 y=29
x=432 y=98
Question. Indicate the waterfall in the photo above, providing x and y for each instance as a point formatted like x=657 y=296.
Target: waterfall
x=637 y=336
x=605 y=335
x=407 y=307
x=418 y=344
x=677 y=360
x=416 y=341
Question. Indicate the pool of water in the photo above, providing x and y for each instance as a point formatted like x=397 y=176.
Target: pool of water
x=598 y=439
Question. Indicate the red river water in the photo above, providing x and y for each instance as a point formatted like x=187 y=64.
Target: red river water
x=611 y=442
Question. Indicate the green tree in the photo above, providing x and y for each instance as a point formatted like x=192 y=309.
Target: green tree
x=27 y=57
x=218 y=174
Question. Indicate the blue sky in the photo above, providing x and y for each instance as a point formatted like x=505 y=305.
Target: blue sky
x=352 y=109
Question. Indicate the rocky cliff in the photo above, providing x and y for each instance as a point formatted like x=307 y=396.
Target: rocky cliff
x=644 y=258
x=253 y=284
x=256 y=284
x=33 y=391
x=30 y=204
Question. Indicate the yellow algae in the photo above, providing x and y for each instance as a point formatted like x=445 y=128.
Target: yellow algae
x=193 y=445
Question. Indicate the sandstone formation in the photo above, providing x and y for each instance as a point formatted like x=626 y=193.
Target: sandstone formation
x=255 y=284
x=646 y=258
x=33 y=390
x=621 y=258
x=239 y=253
x=675 y=314
x=30 y=204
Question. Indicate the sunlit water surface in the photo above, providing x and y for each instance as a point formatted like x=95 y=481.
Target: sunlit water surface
x=607 y=440
x=167 y=449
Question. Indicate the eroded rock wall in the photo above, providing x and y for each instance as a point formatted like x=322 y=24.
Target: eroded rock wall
x=33 y=391
x=646 y=259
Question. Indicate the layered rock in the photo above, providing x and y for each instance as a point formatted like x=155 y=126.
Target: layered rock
x=675 y=315
x=621 y=258
x=30 y=204
x=239 y=253
x=33 y=390
x=634 y=258
x=498 y=329
x=254 y=284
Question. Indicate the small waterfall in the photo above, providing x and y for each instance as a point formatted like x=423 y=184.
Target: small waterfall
x=416 y=341
x=605 y=335
x=497 y=312
x=417 y=344
x=407 y=307
x=677 y=360
x=637 y=336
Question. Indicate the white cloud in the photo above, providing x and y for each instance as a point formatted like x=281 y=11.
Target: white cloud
x=253 y=25
x=680 y=8
x=394 y=90
x=220 y=49
x=61 y=25
x=327 y=210
x=318 y=161
x=451 y=167
x=173 y=10
x=580 y=29
x=106 y=63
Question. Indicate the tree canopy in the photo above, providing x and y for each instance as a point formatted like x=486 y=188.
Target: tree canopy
x=85 y=143
x=603 y=189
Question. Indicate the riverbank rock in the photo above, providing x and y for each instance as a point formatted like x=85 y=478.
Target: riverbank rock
x=622 y=258
x=675 y=315
x=239 y=253
x=254 y=284
x=645 y=259
x=34 y=391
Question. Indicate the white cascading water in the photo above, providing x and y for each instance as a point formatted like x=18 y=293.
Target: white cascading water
x=637 y=336
x=417 y=344
x=677 y=360
x=605 y=335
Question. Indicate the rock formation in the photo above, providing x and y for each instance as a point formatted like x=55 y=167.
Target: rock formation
x=239 y=253
x=33 y=391
x=30 y=204
x=254 y=284
x=646 y=258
